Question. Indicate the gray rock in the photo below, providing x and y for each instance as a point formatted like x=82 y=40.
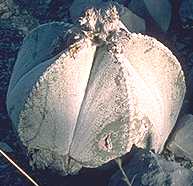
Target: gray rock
x=181 y=141
x=132 y=22
x=160 y=11
x=147 y=168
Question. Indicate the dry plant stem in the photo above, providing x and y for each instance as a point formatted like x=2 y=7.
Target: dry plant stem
x=118 y=160
x=22 y=171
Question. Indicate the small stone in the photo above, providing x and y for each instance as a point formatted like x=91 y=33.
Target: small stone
x=180 y=142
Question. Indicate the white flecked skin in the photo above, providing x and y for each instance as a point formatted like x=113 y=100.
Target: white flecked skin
x=88 y=103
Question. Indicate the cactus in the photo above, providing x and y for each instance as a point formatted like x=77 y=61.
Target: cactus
x=82 y=95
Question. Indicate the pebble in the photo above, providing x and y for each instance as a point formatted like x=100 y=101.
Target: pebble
x=180 y=142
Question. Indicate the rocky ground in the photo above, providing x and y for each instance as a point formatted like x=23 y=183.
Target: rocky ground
x=17 y=19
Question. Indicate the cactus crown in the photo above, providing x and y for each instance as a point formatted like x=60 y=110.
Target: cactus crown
x=98 y=24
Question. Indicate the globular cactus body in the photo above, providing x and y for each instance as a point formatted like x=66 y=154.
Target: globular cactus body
x=81 y=96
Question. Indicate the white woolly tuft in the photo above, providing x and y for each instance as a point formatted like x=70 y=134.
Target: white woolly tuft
x=100 y=23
